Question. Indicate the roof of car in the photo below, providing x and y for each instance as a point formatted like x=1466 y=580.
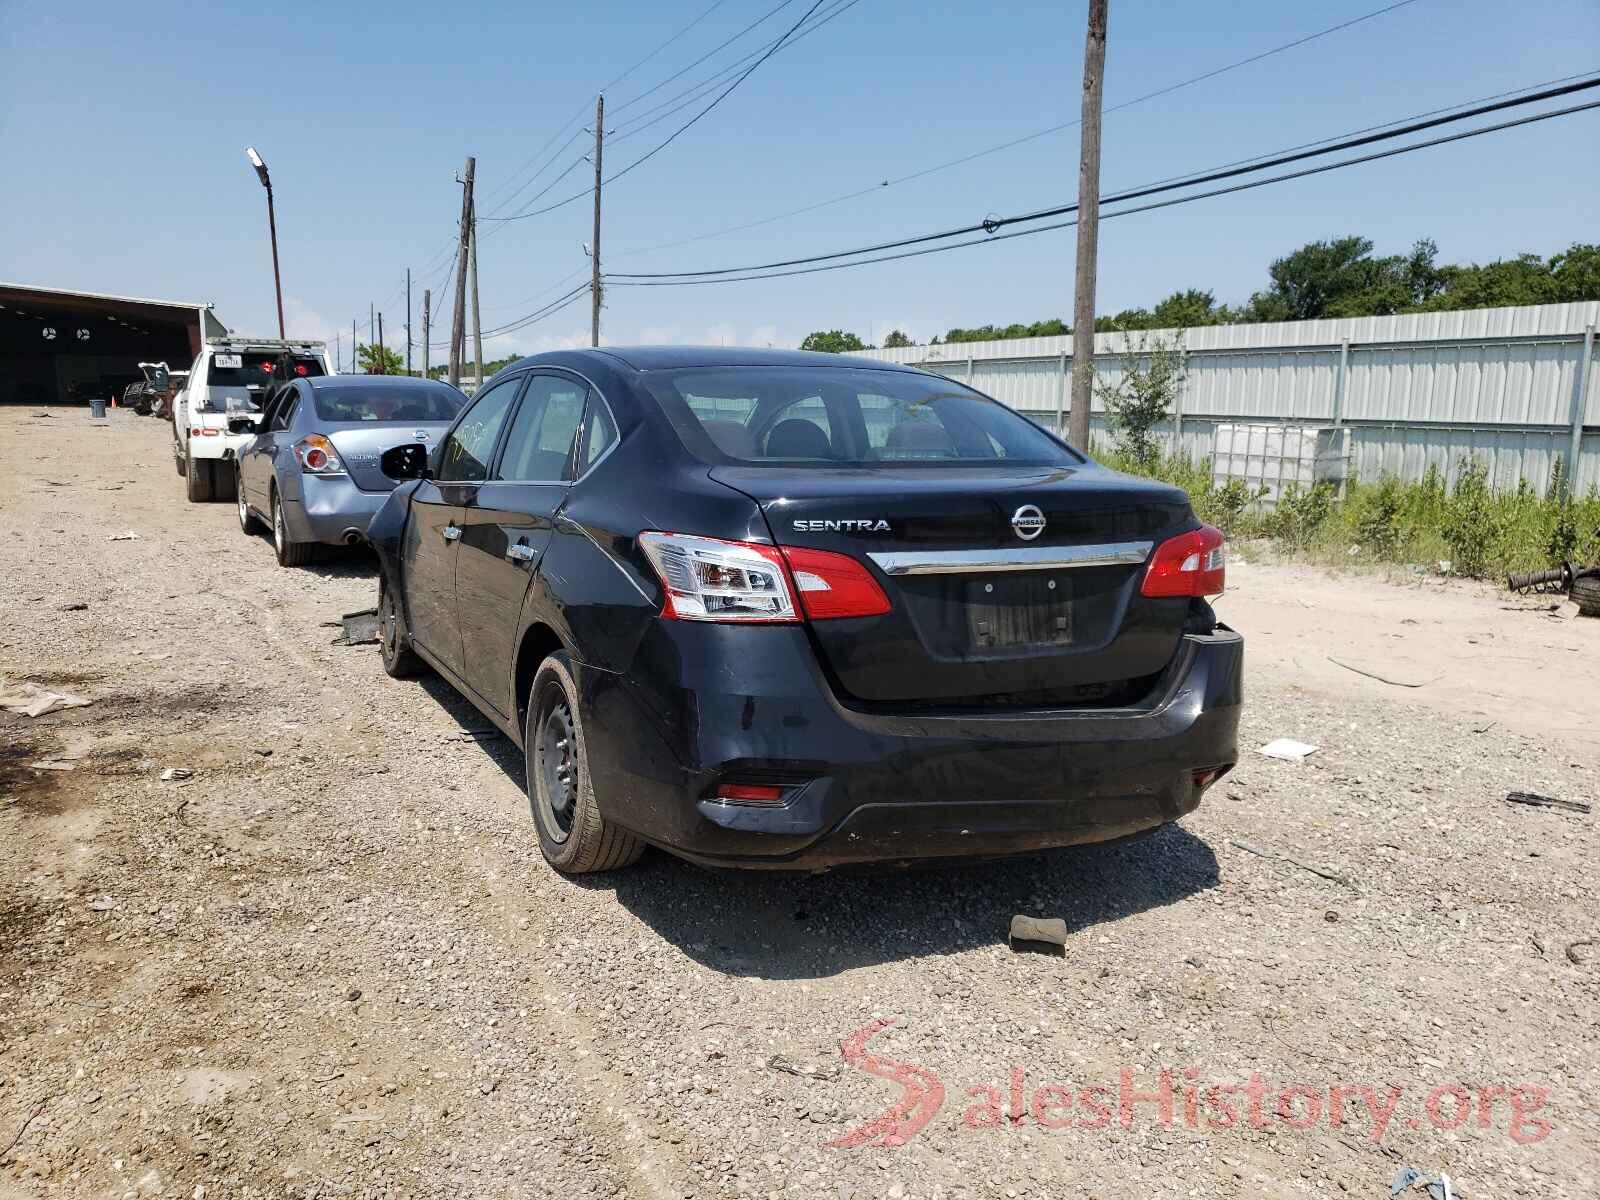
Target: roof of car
x=661 y=358
x=396 y=381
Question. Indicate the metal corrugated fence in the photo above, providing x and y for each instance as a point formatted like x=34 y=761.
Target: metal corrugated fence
x=1507 y=386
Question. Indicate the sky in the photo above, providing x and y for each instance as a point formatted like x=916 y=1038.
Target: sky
x=123 y=129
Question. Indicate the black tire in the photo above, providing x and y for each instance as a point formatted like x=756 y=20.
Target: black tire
x=1586 y=594
x=574 y=838
x=399 y=659
x=249 y=523
x=290 y=553
x=197 y=473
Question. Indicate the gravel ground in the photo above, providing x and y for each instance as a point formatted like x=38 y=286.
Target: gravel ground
x=331 y=962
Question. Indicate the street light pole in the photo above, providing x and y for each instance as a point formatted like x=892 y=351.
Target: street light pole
x=272 y=228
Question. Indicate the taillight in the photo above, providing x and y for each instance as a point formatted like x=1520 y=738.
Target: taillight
x=317 y=456
x=1191 y=564
x=834 y=585
x=707 y=579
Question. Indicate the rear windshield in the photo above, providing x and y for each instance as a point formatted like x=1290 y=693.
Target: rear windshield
x=235 y=380
x=375 y=402
x=844 y=417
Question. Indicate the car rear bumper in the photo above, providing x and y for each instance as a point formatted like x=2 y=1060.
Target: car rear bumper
x=867 y=787
x=331 y=510
x=220 y=445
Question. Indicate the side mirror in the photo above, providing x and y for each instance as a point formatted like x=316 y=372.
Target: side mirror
x=407 y=461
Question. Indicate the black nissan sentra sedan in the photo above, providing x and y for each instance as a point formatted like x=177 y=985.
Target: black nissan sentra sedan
x=774 y=609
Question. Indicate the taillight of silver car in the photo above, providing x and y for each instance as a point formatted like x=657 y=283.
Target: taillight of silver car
x=709 y=579
x=317 y=456
x=1191 y=564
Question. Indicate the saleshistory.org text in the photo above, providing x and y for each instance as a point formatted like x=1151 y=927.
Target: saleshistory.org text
x=1180 y=1096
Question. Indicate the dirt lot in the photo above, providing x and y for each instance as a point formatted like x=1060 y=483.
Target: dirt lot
x=332 y=963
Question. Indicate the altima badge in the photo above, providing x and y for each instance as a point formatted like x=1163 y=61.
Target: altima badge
x=1028 y=522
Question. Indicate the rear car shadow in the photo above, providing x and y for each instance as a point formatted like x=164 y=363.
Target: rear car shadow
x=781 y=926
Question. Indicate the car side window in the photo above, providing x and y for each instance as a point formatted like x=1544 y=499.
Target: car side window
x=464 y=457
x=599 y=432
x=539 y=446
x=283 y=412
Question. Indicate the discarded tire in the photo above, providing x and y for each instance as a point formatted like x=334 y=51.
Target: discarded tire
x=1586 y=594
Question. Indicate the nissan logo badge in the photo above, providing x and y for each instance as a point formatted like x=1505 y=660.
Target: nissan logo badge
x=1028 y=522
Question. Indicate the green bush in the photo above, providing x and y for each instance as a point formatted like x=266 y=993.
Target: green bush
x=1482 y=533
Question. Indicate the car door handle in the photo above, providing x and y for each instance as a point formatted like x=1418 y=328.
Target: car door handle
x=452 y=532
x=521 y=552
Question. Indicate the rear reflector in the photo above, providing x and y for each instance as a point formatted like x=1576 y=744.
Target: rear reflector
x=1191 y=564
x=834 y=585
x=750 y=793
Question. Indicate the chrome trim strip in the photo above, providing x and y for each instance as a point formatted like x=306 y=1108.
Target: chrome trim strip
x=1012 y=558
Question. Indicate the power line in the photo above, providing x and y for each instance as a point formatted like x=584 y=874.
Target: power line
x=766 y=16
x=644 y=120
x=1014 y=142
x=991 y=224
x=1240 y=187
x=772 y=49
x=690 y=123
x=577 y=116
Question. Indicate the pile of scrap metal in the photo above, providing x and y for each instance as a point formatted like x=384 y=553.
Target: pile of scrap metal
x=154 y=399
x=1580 y=583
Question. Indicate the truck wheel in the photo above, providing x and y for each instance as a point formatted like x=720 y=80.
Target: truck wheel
x=1586 y=594
x=290 y=553
x=573 y=836
x=198 y=475
x=399 y=659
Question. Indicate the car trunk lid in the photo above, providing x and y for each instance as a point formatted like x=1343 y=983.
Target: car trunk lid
x=361 y=445
x=1014 y=586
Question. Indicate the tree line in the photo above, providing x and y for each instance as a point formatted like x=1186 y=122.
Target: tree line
x=1340 y=277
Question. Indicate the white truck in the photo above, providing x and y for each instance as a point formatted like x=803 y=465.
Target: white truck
x=229 y=379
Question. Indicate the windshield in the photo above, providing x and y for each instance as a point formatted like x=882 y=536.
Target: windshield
x=375 y=402
x=235 y=380
x=845 y=417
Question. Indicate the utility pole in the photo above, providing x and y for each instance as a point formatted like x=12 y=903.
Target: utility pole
x=477 y=326
x=372 y=328
x=427 y=307
x=594 y=248
x=1094 y=67
x=355 y=365
x=458 y=314
x=338 y=353
x=383 y=358
x=408 y=320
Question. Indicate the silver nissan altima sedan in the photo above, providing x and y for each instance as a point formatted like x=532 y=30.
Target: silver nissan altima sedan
x=311 y=472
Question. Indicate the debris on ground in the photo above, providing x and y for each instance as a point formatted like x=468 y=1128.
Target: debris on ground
x=173 y=774
x=779 y=1063
x=1534 y=800
x=1405 y=683
x=1267 y=852
x=1041 y=935
x=127 y=535
x=1287 y=749
x=53 y=764
x=360 y=628
x=1573 y=957
x=473 y=735
x=76 y=606
x=1439 y=1186
x=30 y=700
x=102 y=904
